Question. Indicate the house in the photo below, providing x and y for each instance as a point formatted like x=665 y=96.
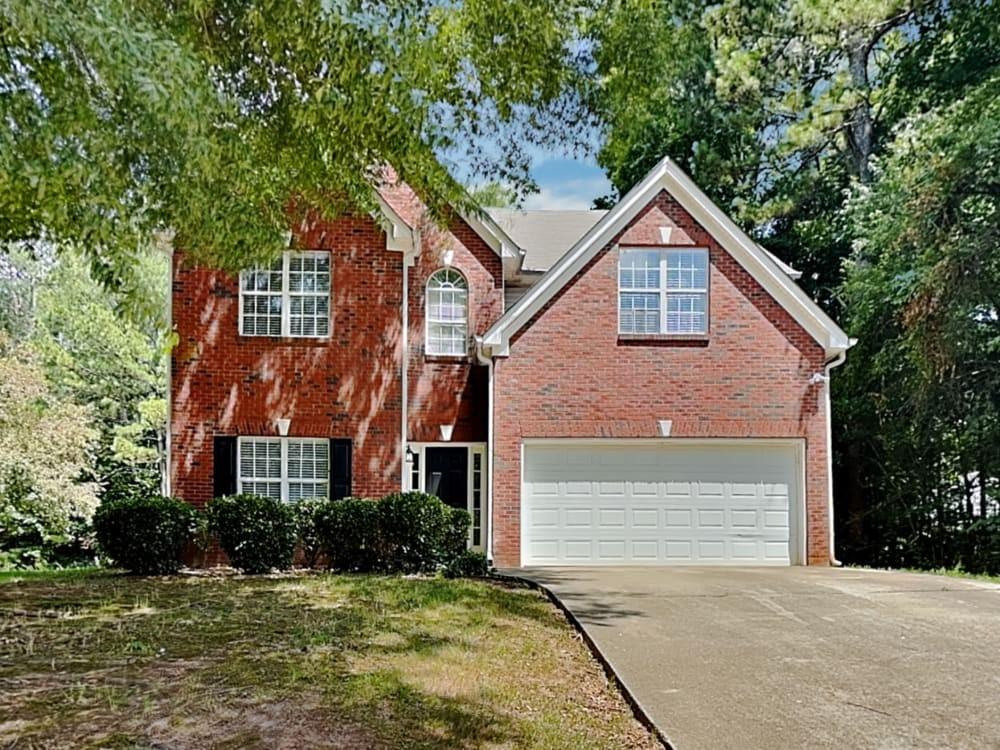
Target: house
x=645 y=385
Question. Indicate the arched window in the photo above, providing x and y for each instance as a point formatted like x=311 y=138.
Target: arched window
x=447 y=313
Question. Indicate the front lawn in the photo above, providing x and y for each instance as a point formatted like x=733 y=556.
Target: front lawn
x=105 y=661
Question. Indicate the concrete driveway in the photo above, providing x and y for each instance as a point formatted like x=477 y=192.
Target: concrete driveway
x=797 y=657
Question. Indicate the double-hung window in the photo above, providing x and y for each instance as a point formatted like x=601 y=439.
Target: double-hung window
x=286 y=469
x=291 y=297
x=447 y=313
x=663 y=291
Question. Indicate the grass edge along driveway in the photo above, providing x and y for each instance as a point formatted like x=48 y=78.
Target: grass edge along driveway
x=106 y=661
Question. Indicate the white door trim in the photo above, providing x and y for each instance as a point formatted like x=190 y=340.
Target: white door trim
x=797 y=510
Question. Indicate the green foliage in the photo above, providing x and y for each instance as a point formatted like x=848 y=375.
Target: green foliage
x=348 y=531
x=145 y=535
x=921 y=395
x=127 y=123
x=494 y=195
x=306 y=513
x=468 y=564
x=44 y=453
x=258 y=533
x=403 y=532
x=114 y=363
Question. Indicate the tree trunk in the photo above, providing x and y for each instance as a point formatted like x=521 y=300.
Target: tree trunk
x=860 y=130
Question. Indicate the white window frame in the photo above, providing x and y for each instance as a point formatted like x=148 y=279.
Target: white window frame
x=428 y=321
x=284 y=480
x=287 y=294
x=664 y=291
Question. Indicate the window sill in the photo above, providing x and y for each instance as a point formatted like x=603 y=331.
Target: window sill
x=663 y=339
x=293 y=340
x=448 y=358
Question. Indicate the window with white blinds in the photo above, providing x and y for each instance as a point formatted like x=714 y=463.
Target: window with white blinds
x=288 y=469
x=291 y=297
x=663 y=291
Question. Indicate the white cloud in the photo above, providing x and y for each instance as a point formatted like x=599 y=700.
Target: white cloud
x=568 y=194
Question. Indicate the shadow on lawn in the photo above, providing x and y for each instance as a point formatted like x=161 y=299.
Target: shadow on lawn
x=345 y=661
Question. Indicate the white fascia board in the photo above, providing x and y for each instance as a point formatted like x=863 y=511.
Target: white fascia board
x=400 y=237
x=510 y=253
x=668 y=176
x=760 y=265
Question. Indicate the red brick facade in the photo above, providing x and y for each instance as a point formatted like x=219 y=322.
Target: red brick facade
x=348 y=385
x=569 y=374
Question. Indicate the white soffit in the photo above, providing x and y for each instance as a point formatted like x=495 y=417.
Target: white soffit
x=666 y=175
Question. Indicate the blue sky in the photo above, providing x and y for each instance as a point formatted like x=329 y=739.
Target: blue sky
x=566 y=182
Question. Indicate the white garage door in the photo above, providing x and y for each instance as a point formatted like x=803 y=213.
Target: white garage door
x=659 y=503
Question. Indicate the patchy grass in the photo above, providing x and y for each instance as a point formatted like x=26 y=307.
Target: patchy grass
x=50 y=574
x=106 y=661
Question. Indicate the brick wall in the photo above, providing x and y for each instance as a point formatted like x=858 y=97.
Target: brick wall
x=570 y=375
x=347 y=386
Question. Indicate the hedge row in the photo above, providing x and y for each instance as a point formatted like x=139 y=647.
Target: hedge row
x=408 y=532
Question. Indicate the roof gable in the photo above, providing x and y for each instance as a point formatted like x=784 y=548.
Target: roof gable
x=666 y=175
x=403 y=215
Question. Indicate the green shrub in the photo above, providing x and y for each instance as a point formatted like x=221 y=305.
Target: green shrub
x=348 y=533
x=306 y=513
x=408 y=532
x=456 y=537
x=145 y=535
x=414 y=531
x=258 y=533
x=467 y=564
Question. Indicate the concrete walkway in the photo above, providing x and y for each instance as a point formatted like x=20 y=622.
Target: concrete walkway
x=797 y=657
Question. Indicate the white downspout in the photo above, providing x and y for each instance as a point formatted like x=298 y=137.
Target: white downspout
x=407 y=260
x=835 y=362
x=488 y=361
x=165 y=484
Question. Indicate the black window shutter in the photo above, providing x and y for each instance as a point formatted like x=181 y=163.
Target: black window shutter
x=340 y=468
x=224 y=474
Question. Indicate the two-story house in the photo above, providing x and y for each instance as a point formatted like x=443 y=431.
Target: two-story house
x=645 y=385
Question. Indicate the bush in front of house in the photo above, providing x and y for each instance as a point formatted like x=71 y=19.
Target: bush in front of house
x=348 y=533
x=257 y=533
x=468 y=564
x=145 y=535
x=306 y=514
x=404 y=532
x=415 y=532
x=456 y=535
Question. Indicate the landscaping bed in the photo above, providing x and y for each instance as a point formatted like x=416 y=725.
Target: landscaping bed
x=314 y=660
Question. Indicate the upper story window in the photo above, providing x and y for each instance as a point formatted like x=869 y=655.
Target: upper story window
x=447 y=313
x=291 y=297
x=663 y=291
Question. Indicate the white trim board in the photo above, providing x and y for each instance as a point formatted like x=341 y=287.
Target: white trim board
x=666 y=175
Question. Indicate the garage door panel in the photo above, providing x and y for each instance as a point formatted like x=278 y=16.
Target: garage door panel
x=645 y=518
x=612 y=503
x=679 y=518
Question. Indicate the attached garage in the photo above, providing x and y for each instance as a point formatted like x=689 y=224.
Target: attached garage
x=662 y=502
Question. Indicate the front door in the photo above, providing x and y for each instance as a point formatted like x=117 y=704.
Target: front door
x=446 y=475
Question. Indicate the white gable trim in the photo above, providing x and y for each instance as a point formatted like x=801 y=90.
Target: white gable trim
x=399 y=236
x=511 y=255
x=666 y=175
